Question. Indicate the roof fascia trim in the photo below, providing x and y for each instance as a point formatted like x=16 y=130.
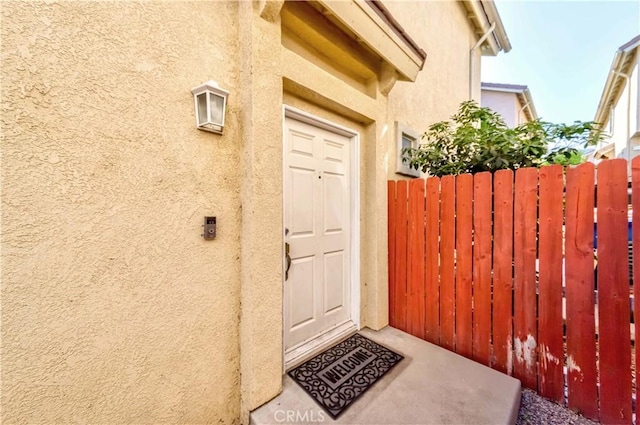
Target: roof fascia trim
x=482 y=13
x=373 y=31
x=611 y=91
x=500 y=33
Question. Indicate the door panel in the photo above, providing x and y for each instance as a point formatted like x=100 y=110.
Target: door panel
x=302 y=188
x=317 y=214
x=301 y=297
x=333 y=203
x=333 y=281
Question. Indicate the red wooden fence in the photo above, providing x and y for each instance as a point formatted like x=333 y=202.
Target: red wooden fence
x=500 y=269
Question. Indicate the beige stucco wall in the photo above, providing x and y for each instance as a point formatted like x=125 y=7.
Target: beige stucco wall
x=261 y=235
x=114 y=309
x=444 y=31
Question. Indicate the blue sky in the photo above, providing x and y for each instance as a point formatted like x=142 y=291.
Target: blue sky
x=563 y=51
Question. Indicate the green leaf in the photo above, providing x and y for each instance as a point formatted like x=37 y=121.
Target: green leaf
x=477 y=138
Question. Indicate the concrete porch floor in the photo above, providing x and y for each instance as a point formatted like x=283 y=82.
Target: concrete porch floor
x=430 y=386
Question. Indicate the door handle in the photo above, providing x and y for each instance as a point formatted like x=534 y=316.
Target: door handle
x=286 y=251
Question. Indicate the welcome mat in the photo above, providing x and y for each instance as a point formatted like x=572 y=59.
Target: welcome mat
x=341 y=374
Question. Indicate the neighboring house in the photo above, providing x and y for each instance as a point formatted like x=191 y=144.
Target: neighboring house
x=512 y=101
x=618 y=113
x=114 y=308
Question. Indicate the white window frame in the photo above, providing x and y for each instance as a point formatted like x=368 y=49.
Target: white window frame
x=403 y=131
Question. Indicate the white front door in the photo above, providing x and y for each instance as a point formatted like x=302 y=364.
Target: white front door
x=317 y=210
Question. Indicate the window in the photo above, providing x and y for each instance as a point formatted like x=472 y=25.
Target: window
x=406 y=138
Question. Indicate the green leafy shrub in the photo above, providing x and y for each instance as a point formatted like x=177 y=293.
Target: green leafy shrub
x=477 y=139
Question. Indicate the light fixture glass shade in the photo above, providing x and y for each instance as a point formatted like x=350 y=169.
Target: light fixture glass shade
x=216 y=110
x=210 y=103
x=201 y=108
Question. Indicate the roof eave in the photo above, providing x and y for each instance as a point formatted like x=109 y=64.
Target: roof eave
x=509 y=88
x=605 y=149
x=522 y=93
x=612 y=89
x=372 y=25
x=499 y=33
x=482 y=13
x=604 y=106
x=529 y=104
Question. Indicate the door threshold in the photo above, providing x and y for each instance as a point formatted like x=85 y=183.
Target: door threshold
x=304 y=351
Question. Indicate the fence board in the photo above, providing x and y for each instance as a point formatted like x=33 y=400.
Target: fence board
x=415 y=287
x=503 y=271
x=635 y=199
x=401 y=256
x=550 y=322
x=613 y=293
x=524 y=324
x=457 y=280
x=391 y=241
x=432 y=313
x=581 y=342
x=447 y=245
x=482 y=230
x=464 y=223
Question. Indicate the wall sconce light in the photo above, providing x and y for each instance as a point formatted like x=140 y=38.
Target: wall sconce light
x=211 y=104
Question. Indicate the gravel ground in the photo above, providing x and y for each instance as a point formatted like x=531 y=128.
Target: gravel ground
x=535 y=410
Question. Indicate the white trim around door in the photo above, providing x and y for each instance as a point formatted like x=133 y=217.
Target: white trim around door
x=297 y=353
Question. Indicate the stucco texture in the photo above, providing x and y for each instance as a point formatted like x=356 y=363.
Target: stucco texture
x=446 y=34
x=114 y=309
x=261 y=349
